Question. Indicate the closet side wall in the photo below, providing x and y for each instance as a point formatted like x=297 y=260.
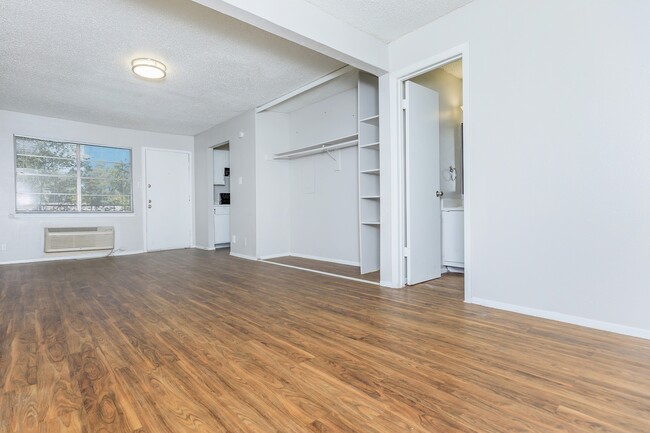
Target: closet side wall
x=324 y=212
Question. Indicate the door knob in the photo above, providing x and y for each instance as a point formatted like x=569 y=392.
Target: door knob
x=149 y=206
x=439 y=193
x=149 y=201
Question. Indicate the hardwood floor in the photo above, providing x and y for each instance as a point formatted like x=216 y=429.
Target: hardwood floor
x=197 y=341
x=328 y=267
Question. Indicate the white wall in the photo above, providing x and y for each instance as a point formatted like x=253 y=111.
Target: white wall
x=450 y=92
x=558 y=153
x=273 y=185
x=23 y=234
x=242 y=196
x=324 y=200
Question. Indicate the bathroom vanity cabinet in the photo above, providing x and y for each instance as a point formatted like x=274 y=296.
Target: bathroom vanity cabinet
x=453 y=248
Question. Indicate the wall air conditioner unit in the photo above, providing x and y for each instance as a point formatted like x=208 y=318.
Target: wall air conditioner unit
x=62 y=239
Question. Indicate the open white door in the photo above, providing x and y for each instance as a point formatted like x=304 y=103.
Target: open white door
x=423 y=238
x=169 y=195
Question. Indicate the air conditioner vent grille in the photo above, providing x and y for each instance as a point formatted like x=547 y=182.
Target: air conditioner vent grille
x=74 y=229
x=65 y=239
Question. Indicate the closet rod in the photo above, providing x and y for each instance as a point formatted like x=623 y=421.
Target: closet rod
x=313 y=151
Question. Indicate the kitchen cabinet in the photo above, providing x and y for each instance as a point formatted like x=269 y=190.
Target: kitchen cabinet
x=221 y=160
x=221 y=224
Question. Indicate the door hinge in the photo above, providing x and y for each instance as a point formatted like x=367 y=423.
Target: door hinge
x=404 y=104
x=407 y=252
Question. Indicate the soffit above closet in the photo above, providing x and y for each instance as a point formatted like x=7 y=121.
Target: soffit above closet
x=388 y=20
x=71 y=60
x=330 y=88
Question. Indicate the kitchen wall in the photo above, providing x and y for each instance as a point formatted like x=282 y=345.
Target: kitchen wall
x=556 y=121
x=240 y=132
x=450 y=93
x=23 y=234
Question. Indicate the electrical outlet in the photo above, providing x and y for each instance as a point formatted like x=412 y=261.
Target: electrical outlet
x=3 y=247
x=241 y=180
x=245 y=241
x=234 y=239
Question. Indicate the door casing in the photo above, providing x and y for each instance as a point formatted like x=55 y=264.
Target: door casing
x=397 y=191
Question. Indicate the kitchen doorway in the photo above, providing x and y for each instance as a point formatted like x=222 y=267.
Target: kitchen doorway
x=221 y=194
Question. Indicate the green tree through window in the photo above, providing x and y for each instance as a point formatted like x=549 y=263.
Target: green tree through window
x=54 y=176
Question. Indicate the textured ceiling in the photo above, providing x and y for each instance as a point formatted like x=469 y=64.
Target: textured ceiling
x=388 y=20
x=71 y=60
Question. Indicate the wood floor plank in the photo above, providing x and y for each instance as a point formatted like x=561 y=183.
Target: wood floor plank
x=68 y=422
x=21 y=410
x=104 y=410
x=197 y=341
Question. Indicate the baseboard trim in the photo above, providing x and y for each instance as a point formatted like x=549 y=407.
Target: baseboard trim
x=201 y=247
x=325 y=259
x=98 y=255
x=128 y=253
x=358 y=280
x=566 y=318
x=244 y=256
x=274 y=256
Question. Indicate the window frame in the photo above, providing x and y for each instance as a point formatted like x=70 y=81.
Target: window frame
x=78 y=179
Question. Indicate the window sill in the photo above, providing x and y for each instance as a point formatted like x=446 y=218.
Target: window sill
x=75 y=215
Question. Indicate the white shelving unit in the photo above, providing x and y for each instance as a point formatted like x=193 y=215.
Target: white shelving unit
x=369 y=195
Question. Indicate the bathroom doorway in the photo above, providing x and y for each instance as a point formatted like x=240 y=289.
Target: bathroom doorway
x=434 y=193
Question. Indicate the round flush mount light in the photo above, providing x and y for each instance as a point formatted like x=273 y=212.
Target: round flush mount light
x=149 y=68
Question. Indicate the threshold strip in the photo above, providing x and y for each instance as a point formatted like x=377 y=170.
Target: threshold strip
x=359 y=280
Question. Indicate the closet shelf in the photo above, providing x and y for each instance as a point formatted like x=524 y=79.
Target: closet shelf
x=374 y=146
x=339 y=143
x=371 y=119
x=373 y=171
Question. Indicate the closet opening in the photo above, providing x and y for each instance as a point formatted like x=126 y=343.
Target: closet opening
x=318 y=150
x=221 y=194
x=434 y=173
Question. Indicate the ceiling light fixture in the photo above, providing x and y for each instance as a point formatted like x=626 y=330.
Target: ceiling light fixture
x=149 y=68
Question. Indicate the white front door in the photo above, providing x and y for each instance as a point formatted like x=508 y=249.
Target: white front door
x=422 y=137
x=168 y=200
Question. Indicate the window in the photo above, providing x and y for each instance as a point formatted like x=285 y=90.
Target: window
x=59 y=176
